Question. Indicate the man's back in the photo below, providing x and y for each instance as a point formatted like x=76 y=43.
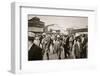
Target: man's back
x=35 y=53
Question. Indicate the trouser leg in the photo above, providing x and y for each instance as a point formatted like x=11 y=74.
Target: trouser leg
x=47 y=55
x=65 y=53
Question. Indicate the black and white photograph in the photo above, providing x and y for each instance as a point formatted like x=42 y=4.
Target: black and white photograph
x=53 y=37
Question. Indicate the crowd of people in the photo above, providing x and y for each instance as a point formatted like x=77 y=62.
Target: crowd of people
x=73 y=46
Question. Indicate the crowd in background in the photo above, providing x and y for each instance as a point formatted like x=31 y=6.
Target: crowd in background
x=73 y=46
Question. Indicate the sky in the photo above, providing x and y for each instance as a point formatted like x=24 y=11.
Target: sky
x=63 y=21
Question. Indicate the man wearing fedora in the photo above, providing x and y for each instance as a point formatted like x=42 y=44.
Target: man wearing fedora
x=34 y=52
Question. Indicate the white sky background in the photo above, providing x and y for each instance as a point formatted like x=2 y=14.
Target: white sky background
x=64 y=22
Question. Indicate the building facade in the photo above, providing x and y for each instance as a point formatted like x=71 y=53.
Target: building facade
x=36 y=25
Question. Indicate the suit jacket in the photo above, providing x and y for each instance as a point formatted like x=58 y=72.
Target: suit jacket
x=77 y=50
x=35 y=53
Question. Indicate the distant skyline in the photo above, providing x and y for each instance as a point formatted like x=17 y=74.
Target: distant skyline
x=64 y=21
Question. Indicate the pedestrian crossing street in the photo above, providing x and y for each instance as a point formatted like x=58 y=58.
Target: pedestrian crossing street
x=53 y=56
